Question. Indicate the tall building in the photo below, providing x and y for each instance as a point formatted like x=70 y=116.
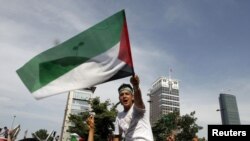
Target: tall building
x=164 y=98
x=229 y=109
x=77 y=102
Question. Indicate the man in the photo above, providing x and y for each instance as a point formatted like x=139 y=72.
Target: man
x=6 y=132
x=171 y=137
x=195 y=138
x=132 y=122
x=57 y=138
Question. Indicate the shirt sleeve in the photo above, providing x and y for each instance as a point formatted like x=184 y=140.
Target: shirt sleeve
x=117 y=129
x=139 y=110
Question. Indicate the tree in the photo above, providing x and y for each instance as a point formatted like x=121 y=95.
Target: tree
x=189 y=128
x=41 y=134
x=184 y=126
x=78 y=125
x=165 y=125
x=104 y=118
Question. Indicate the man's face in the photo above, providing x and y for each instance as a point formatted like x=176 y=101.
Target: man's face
x=126 y=99
x=195 y=139
x=170 y=138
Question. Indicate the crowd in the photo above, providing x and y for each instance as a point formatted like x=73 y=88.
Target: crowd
x=4 y=132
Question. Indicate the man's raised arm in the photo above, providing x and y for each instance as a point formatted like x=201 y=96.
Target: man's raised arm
x=135 y=81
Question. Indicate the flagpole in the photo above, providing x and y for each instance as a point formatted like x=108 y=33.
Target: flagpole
x=64 y=118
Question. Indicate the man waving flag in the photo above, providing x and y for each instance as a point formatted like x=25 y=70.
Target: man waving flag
x=99 y=54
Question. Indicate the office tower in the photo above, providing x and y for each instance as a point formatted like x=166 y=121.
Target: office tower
x=77 y=102
x=164 y=98
x=228 y=109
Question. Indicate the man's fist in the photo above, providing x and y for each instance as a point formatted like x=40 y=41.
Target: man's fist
x=134 y=80
x=91 y=122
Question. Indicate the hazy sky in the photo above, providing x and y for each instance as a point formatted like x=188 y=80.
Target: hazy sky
x=205 y=42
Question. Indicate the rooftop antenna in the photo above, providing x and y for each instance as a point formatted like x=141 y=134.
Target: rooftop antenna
x=225 y=90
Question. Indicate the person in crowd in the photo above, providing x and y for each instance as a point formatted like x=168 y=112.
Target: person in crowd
x=5 y=132
x=57 y=138
x=9 y=135
x=171 y=137
x=195 y=138
x=132 y=122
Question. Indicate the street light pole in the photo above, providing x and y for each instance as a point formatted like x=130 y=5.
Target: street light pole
x=13 y=121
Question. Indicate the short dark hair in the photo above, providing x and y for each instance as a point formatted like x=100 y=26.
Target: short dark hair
x=124 y=86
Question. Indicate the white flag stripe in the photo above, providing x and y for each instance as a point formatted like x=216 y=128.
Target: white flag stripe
x=90 y=73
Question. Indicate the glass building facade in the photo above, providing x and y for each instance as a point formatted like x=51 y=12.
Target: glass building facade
x=229 y=109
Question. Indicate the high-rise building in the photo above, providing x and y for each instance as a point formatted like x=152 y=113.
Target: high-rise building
x=77 y=102
x=164 y=98
x=229 y=109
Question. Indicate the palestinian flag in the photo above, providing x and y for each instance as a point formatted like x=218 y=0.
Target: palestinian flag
x=99 y=54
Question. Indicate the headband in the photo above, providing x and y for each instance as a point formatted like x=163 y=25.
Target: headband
x=126 y=89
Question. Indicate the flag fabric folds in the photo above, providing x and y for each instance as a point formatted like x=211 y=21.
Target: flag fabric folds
x=99 y=54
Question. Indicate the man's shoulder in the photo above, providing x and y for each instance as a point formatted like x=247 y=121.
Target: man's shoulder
x=121 y=114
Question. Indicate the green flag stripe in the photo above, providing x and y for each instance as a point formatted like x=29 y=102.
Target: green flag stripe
x=58 y=60
x=85 y=75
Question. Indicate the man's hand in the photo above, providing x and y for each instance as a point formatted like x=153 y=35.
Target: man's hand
x=91 y=122
x=134 y=80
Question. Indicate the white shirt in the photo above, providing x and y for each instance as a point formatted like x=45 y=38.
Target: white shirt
x=134 y=124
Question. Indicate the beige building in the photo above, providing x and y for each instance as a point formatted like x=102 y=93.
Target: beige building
x=78 y=102
x=164 y=98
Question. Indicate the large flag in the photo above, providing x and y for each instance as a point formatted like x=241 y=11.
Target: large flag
x=97 y=55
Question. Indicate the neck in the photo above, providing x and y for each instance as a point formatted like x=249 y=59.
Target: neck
x=127 y=108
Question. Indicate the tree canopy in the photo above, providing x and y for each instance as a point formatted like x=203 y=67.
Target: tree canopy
x=105 y=114
x=184 y=127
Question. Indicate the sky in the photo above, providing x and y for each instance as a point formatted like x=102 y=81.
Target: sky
x=204 y=42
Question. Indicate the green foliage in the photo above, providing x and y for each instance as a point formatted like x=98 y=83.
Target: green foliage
x=79 y=127
x=188 y=126
x=184 y=126
x=165 y=125
x=104 y=118
x=41 y=134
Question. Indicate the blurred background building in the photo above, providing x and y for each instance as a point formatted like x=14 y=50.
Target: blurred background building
x=77 y=102
x=163 y=98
